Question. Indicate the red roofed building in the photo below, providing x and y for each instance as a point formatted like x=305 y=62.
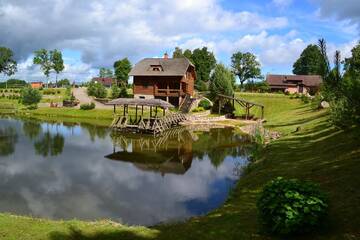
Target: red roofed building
x=107 y=81
x=294 y=83
x=36 y=85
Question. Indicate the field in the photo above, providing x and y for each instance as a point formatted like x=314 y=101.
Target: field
x=310 y=148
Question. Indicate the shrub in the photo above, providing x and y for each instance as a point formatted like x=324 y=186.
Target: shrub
x=87 y=106
x=30 y=96
x=304 y=98
x=115 y=91
x=291 y=206
x=204 y=104
x=97 y=90
x=198 y=109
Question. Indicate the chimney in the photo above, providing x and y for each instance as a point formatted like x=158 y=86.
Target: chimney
x=166 y=56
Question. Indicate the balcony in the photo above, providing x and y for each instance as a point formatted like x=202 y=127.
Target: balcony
x=168 y=92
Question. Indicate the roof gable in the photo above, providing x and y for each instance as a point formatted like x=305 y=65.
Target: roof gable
x=161 y=67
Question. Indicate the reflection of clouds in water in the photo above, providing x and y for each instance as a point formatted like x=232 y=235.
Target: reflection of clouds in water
x=80 y=183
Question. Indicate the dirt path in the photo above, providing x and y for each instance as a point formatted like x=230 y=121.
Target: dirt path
x=81 y=95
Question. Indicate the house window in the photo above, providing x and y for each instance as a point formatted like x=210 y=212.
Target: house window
x=156 y=68
x=145 y=84
x=142 y=97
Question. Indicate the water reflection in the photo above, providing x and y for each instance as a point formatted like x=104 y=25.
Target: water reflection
x=49 y=144
x=141 y=180
x=8 y=140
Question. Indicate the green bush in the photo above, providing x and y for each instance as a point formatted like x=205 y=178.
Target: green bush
x=291 y=206
x=97 y=90
x=30 y=96
x=198 y=109
x=87 y=106
x=204 y=104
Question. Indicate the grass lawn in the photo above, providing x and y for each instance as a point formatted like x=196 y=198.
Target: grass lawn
x=317 y=152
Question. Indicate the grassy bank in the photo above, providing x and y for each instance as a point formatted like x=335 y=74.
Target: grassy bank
x=316 y=151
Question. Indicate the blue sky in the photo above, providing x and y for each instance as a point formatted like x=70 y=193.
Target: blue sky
x=93 y=34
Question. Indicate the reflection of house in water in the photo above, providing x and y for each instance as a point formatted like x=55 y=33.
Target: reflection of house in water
x=169 y=153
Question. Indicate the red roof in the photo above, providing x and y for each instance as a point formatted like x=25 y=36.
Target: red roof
x=293 y=80
x=108 y=81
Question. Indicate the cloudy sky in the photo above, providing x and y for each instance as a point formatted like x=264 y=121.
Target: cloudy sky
x=93 y=34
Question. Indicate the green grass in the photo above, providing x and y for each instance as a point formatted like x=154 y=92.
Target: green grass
x=317 y=152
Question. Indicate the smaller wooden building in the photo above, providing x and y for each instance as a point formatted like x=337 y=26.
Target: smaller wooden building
x=294 y=83
x=168 y=79
x=36 y=85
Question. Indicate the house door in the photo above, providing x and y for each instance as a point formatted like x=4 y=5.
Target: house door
x=301 y=88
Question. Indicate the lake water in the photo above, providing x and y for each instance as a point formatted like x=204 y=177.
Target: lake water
x=67 y=171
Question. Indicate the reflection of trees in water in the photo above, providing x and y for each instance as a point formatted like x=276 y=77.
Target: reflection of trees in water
x=8 y=140
x=32 y=129
x=95 y=131
x=216 y=143
x=49 y=144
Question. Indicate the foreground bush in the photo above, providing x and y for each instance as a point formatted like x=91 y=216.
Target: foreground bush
x=204 y=104
x=30 y=96
x=87 y=106
x=291 y=206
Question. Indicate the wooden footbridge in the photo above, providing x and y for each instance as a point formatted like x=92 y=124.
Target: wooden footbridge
x=141 y=122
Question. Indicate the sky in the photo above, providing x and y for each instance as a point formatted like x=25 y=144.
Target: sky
x=94 y=34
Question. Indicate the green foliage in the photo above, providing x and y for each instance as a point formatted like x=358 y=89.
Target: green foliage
x=63 y=83
x=115 y=91
x=13 y=83
x=221 y=81
x=204 y=62
x=123 y=92
x=342 y=91
x=87 y=106
x=256 y=86
x=30 y=96
x=201 y=86
x=42 y=57
x=122 y=69
x=198 y=109
x=291 y=206
x=310 y=61
x=97 y=90
x=245 y=66
x=105 y=72
x=57 y=61
x=204 y=104
x=8 y=65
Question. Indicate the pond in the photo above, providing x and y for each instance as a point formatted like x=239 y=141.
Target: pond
x=68 y=171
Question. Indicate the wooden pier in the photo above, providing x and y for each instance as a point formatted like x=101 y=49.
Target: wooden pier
x=152 y=123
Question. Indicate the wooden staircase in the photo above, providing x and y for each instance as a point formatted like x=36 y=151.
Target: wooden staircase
x=186 y=104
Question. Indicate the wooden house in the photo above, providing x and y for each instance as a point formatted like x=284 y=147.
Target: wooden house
x=294 y=83
x=169 y=79
x=36 y=85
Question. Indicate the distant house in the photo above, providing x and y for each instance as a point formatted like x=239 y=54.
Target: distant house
x=36 y=85
x=169 y=79
x=294 y=83
x=106 y=81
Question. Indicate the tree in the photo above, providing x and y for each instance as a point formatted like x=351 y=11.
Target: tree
x=115 y=91
x=97 y=90
x=105 y=72
x=8 y=65
x=245 y=66
x=178 y=53
x=63 y=82
x=42 y=57
x=122 y=69
x=30 y=96
x=57 y=62
x=352 y=64
x=310 y=61
x=221 y=81
x=204 y=62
